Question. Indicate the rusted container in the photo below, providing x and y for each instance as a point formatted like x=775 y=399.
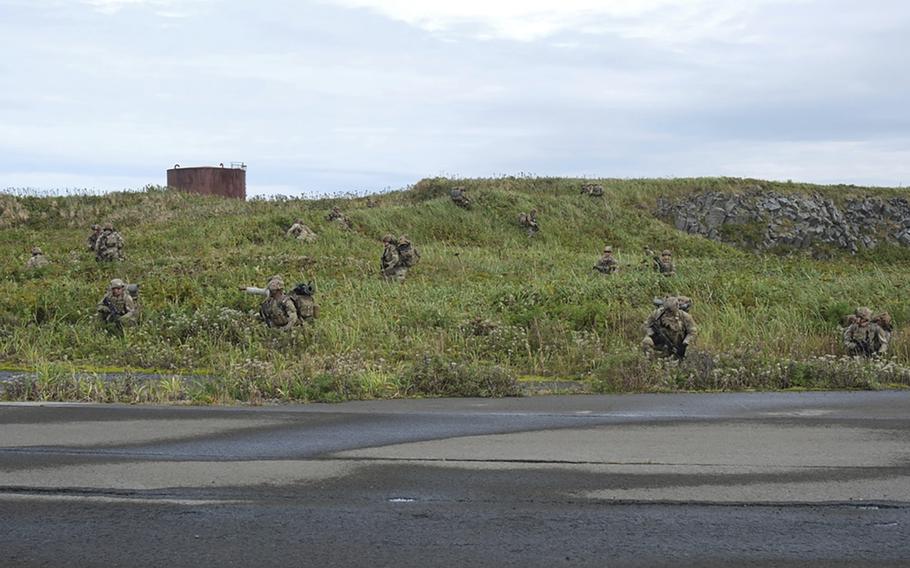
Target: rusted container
x=226 y=182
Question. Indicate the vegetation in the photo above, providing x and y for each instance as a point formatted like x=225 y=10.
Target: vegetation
x=485 y=305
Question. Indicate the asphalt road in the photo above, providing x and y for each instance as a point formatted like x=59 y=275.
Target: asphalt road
x=795 y=479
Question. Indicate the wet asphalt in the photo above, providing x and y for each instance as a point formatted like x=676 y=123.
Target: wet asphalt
x=765 y=479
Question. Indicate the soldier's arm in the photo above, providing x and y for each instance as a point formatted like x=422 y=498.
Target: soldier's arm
x=291 y=310
x=691 y=329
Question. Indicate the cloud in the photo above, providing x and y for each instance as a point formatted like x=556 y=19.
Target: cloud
x=527 y=20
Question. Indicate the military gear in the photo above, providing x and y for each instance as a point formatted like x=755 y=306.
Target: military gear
x=664 y=263
x=301 y=232
x=867 y=336
x=302 y=296
x=37 y=260
x=592 y=189
x=607 y=264
x=109 y=246
x=337 y=216
x=408 y=255
x=459 y=197
x=529 y=222
x=669 y=329
x=93 y=237
x=278 y=311
x=390 y=258
x=117 y=309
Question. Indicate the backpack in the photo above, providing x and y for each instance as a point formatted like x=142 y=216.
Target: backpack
x=302 y=296
x=408 y=256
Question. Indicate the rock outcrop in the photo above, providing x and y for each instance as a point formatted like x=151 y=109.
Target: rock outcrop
x=763 y=220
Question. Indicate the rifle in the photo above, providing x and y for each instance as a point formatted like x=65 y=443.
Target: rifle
x=678 y=351
x=114 y=314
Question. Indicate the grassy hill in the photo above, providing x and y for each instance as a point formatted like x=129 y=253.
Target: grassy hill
x=486 y=305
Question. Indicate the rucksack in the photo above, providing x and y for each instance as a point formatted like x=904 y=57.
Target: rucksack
x=408 y=256
x=302 y=296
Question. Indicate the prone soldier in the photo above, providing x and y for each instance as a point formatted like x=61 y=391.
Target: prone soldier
x=301 y=232
x=529 y=222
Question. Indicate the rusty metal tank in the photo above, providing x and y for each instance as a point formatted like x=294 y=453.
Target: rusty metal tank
x=210 y=180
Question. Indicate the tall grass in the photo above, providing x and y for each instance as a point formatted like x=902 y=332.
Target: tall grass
x=543 y=310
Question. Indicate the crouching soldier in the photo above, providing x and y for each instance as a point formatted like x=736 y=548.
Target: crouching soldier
x=670 y=329
x=867 y=336
x=278 y=310
x=459 y=196
x=118 y=307
x=301 y=296
x=408 y=256
x=607 y=263
x=109 y=246
x=592 y=189
x=37 y=260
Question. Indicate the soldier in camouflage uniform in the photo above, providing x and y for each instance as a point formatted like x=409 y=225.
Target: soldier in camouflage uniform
x=301 y=232
x=592 y=189
x=109 y=246
x=459 y=197
x=37 y=260
x=663 y=263
x=117 y=308
x=867 y=336
x=529 y=222
x=278 y=310
x=607 y=264
x=301 y=296
x=670 y=330
x=389 y=259
x=337 y=216
x=93 y=238
x=372 y=203
x=408 y=255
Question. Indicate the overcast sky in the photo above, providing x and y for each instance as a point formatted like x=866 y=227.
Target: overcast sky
x=363 y=95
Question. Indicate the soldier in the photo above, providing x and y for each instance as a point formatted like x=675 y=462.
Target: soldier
x=592 y=189
x=529 y=222
x=117 y=307
x=301 y=295
x=301 y=232
x=389 y=259
x=372 y=203
x=37 y=260
x=408 y=256
x=278 y=310
x=109 y=246
x=867 y=336
x=459 y=197
x=670 y=330
x=663 y=263
x=607 y=264
x=93 y=238
x=337 y=216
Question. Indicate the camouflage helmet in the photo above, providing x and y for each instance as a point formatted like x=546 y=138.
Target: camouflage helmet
x=275 y=284
x=96 y=227
x=608 y=248
x=533 y=212
x=864 y=313
x=336 y=209
x=299 y=221
x=671 y=303
x=36 y=250
x=108 y=226
x=388 y=238
x=403 y=240
x=116 y=283
x=666 y=252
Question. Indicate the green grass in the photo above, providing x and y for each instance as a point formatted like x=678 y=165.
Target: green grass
x=546 y=312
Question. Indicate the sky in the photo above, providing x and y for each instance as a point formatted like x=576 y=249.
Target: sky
x=327 y=96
